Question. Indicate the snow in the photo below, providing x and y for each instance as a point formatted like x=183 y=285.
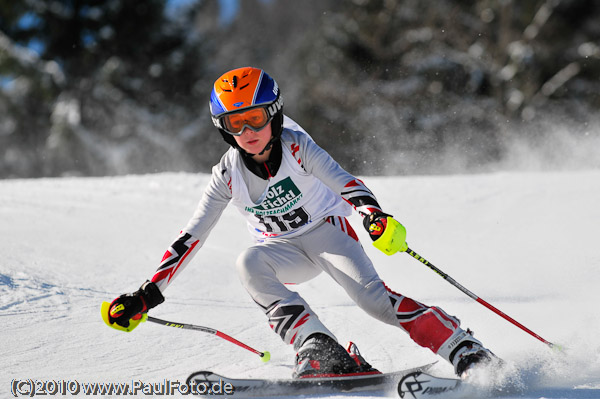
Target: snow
x=525 y=242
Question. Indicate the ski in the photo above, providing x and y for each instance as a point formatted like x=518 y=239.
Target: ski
x=209 y=383
x=420 y=385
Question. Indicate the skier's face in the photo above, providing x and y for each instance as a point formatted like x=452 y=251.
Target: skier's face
x=254 y=142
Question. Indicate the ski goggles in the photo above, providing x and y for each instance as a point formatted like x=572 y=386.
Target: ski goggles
x=235 y=123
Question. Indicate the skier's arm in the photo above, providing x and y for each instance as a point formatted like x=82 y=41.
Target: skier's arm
x=214 y=200
x=124 y=313
x=388 y=235
x=320 y=164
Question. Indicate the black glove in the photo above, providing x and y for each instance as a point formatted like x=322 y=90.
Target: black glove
x=129 y=306
x=375 y=224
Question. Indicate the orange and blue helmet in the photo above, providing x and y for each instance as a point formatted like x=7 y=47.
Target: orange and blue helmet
x=245 y=89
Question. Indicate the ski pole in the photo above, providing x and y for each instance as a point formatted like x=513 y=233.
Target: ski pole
x=476 y=298
x=265 y=356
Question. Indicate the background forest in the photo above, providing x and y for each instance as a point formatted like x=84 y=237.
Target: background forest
x=110 y=87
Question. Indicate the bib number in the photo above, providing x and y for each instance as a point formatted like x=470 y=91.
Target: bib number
x=286 y=222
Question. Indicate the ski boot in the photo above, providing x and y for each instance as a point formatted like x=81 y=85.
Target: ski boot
x=470 y=356
x=365 y=368
x=322 y=356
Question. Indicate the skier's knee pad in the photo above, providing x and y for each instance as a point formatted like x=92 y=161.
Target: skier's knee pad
x=294 y=321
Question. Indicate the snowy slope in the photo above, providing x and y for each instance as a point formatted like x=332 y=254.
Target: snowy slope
x=525 y=242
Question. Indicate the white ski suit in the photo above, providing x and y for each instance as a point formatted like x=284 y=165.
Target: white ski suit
x=298 y=220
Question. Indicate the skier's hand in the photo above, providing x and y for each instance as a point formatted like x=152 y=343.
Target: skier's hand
x=388 y=235
x=128 y=310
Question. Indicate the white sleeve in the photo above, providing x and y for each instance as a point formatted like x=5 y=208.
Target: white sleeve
x=320 y=164
x=214 y=200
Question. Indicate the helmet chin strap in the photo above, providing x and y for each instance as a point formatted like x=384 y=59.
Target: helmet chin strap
x=267 y=147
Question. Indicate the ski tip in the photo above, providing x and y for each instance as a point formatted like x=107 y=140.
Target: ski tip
x=266 y=356
x=422 y=385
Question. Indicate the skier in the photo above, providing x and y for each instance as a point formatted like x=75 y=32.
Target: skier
x=295 y=198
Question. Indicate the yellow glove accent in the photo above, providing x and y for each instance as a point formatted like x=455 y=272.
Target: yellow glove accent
x=393 y=238
x=133 y=323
